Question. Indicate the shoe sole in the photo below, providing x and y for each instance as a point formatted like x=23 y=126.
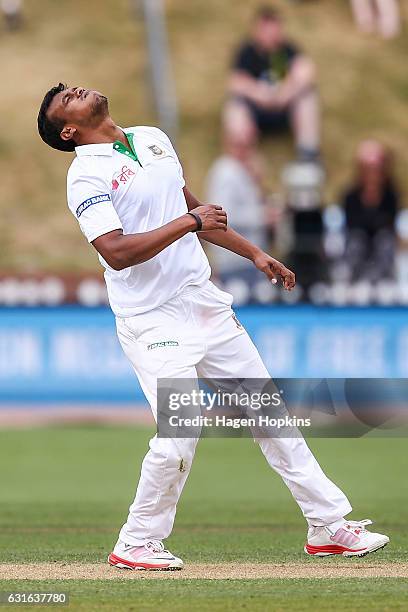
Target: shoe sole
x=344 y=552
x=123 y=564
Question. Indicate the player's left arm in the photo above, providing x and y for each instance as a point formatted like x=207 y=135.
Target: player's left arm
x=233 y=241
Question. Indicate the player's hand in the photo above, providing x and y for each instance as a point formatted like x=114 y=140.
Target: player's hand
x=274 y=270
x=212 y=217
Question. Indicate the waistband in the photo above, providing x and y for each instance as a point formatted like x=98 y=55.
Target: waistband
x=187 y=291
x=192 y=289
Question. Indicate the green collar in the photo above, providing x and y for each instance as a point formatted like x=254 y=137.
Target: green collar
x=120 y=148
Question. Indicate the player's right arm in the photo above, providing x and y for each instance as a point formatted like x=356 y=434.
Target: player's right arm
x=122 y=251
x=90 y=201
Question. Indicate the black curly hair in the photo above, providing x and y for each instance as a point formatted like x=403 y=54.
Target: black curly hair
x=50 y=130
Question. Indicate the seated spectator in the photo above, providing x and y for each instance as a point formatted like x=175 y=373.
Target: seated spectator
x=303 y=184
x=235 y=181
x=273 y=86
x=371 y=206
x=381 y=16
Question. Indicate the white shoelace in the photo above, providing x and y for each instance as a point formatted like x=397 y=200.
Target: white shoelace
x=359 y=524
x=155 y=546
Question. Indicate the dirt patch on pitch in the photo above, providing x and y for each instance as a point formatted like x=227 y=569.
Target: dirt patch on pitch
x=221 y=571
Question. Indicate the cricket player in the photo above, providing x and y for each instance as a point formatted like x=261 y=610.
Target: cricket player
x=127 y=191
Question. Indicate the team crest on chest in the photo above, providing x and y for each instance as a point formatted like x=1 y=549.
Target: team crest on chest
x=157 y=151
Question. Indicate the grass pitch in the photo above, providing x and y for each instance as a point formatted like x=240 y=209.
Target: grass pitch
x=65 y=493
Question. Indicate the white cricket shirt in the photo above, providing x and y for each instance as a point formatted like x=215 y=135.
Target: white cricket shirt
x=110 y=187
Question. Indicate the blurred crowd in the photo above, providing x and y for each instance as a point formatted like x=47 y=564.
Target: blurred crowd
x=341 y=251
x=351 y=250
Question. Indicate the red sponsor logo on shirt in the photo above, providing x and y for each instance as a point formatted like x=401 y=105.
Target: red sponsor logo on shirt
x=122 y=177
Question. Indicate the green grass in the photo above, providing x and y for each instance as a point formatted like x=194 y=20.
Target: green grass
x=65 y=493
x=227 y=595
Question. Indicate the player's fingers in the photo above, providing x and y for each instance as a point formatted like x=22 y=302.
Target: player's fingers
x=222 y=226
x=269 y=273
x=289 y=280
x=222 y=216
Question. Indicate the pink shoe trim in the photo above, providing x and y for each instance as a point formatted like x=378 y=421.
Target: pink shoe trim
x=114 y=560
x=345 y=537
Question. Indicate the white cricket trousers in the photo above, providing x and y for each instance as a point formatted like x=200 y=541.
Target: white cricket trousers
x=195 y=335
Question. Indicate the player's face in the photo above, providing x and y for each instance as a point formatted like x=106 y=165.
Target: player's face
x=79 y=107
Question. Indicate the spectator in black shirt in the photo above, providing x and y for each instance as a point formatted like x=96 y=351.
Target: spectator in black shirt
x=371 y=206
x=273 y=87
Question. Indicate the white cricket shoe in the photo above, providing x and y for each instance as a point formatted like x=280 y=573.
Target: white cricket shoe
x=151 y=556
x=351 y=540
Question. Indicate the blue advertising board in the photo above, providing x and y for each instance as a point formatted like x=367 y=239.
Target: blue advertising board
x=71 y=354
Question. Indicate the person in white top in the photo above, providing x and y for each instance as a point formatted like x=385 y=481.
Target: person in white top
x=127 y=191
x=235 y=179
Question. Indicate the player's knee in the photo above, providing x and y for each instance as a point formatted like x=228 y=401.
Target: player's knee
x=174 y=453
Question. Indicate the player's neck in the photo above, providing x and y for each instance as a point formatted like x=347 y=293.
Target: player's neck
x=107 y=131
